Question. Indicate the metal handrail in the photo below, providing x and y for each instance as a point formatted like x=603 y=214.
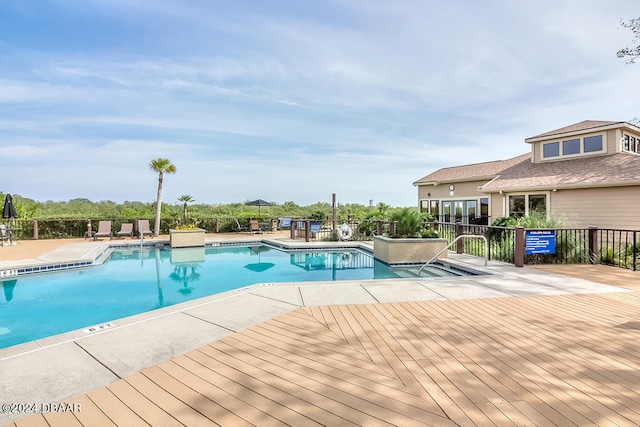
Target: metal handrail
x=462 y=236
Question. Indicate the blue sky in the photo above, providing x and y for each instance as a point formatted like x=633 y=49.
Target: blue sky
x=293 y=100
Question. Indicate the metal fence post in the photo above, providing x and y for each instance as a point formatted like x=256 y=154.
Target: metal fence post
x=293 y=229
x=519 y=246
x=459 y=243
x=635 y=250
x=594 y=257
x=307 y=230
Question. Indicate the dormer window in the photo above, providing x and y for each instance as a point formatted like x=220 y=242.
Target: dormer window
x=630 y=144
x=573 y=147
x=593 y=144
x=551 y=149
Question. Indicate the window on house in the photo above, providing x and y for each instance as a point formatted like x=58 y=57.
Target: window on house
x=571 y=146
x=446 y=211
x=593 y=143
x=631 y=144
x=537 y=203
x=526 y=204
x=484 y=211
x=517 y=206
x=434 y=208
x=551 y=149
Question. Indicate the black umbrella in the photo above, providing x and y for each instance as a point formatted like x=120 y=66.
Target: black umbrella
x=9 y=211
x=259 y=203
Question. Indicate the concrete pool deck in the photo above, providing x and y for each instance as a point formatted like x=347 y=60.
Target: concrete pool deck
x=59 y=368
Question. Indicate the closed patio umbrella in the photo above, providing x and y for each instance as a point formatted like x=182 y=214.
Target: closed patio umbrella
x=9 y=211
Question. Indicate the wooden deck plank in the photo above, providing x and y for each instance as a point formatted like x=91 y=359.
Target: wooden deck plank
x=603 y=397
x=91 y=415
x=201 y=404
x=114 y=408
x=591 y=410
x=358 y=332
x=512 y=363
x=223 y=377
x=36 y=420
x=189 y=372
x=341 y=373
x=339 y=397
x=143 y=407
x=581 y=350
x=386 y=340
x=339 y=359
x=164 y=399
x=280 y=404
x=322 y=343
x=62 y=419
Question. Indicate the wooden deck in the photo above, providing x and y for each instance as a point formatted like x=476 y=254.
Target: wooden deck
x=548 y=360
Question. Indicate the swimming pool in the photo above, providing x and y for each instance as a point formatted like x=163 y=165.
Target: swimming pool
x=133 y=281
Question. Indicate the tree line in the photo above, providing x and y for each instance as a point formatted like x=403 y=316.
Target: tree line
x=82 y=208
x=186 y=208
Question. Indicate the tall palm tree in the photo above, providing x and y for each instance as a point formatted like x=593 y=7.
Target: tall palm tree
x=186 y=198
x=161 y=166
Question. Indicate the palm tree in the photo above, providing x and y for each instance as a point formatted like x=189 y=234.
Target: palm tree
x=186 y=198
x=161 y=166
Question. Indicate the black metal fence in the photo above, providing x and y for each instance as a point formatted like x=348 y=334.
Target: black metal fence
x=620 y=248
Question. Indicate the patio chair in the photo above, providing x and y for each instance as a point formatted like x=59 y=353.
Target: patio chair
x=239 y=227
x=4 y=234
x=104 y=230
x=126 y=229
x=254 y=226
x=143 y=225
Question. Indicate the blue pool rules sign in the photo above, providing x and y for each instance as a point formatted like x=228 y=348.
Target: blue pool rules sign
x=540 y=242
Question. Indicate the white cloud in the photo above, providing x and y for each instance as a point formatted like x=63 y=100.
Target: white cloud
x=294 y=102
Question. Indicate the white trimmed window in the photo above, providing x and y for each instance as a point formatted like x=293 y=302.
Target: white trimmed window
x=630 y=144
x=525 y=204
x=574 y=147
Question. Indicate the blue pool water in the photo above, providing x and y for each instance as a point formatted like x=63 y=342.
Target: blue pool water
x=135 y=281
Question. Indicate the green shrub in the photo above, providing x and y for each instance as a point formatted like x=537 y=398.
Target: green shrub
x=408 y=222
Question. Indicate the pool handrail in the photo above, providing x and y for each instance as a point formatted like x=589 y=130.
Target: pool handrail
x=462 y=236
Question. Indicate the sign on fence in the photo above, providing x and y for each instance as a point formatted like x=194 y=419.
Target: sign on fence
x=540 y=242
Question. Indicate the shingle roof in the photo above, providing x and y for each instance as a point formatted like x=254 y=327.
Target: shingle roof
x=477 y=171
x=592 y=171
x=576 y=127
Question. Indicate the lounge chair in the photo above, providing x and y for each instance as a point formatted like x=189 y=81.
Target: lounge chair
x=104 y=230
x=143 y=225
x=126 y=229
x=239 y=227
x=254 y=226
x=4 y=234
